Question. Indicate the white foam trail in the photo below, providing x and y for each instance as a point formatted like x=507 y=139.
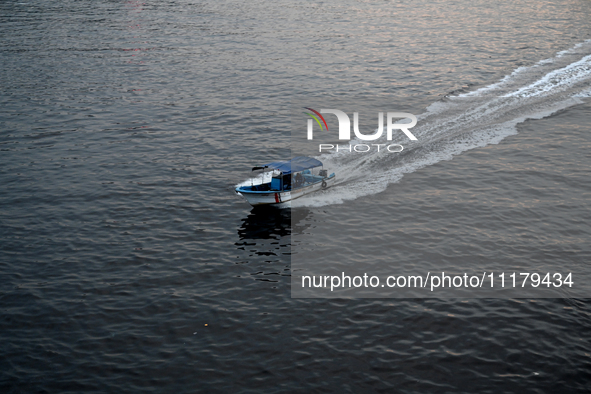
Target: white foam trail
x=460 y=123
x=496 y=85
x=557 y=79
x=586 y=94
x=573 y=49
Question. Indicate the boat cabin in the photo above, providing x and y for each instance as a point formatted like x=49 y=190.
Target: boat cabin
x=292 y=174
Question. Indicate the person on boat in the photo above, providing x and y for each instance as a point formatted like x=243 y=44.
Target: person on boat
x=287 y=182
x=299 y=180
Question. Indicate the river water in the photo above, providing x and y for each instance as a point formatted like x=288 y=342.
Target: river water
x=128 y=263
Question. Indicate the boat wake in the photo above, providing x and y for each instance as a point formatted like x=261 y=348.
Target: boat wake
x=462 y=122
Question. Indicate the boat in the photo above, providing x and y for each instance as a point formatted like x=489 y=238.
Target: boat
x=289 y=180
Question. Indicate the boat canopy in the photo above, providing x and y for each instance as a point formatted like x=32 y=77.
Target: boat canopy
x=297 y=164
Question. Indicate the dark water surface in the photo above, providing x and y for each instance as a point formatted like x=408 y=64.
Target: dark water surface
x=128 y=264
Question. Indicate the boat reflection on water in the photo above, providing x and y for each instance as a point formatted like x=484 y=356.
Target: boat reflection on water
x=265 y=223
x=265 y=242
x=272 y=223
